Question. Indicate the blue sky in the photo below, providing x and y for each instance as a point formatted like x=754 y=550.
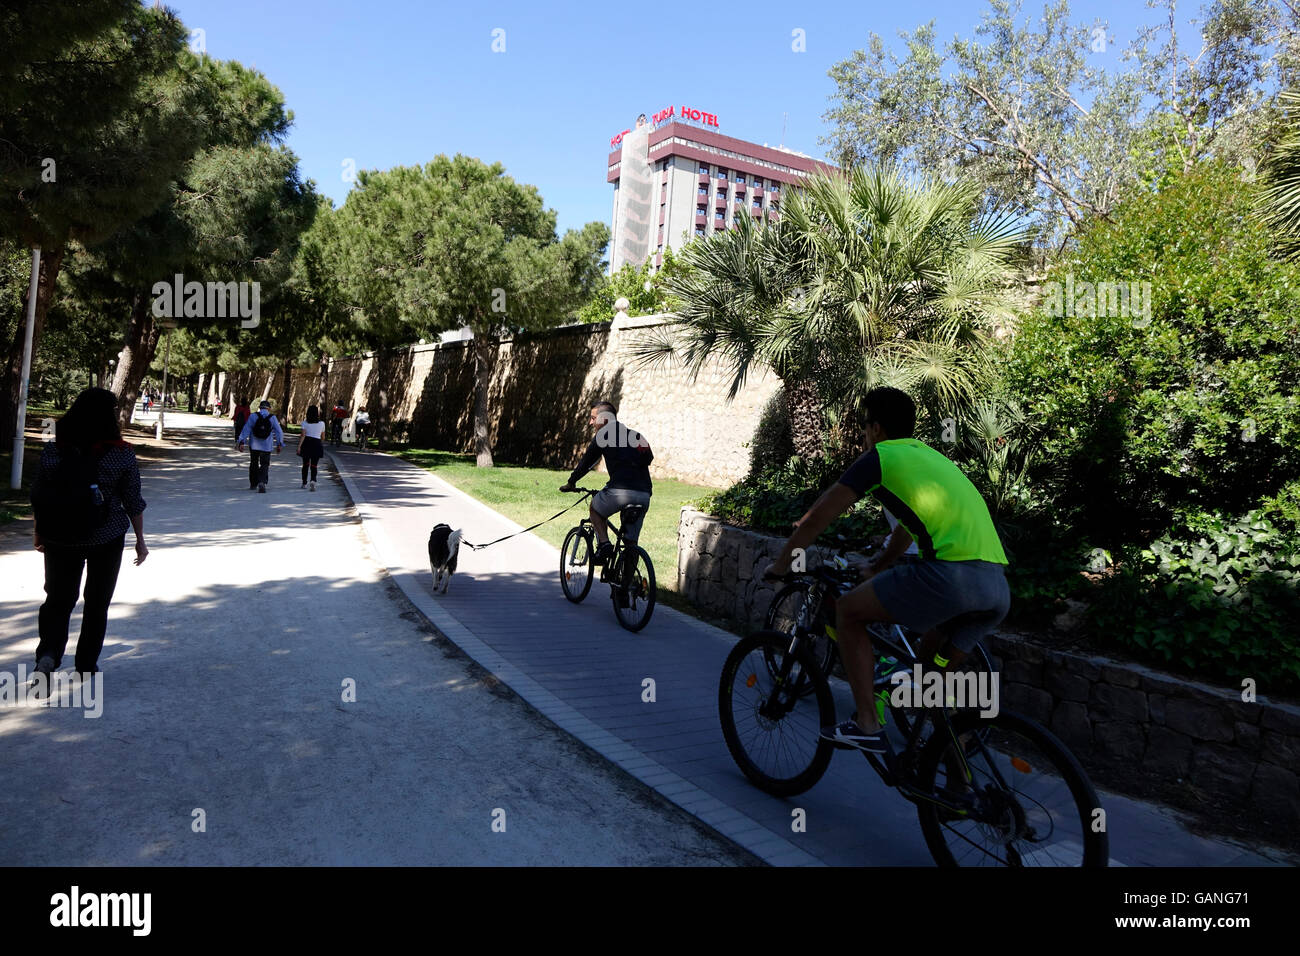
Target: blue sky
x=397 y=82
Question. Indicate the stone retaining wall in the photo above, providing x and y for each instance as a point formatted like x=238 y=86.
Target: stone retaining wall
x=541 y=390
x=1137 y=730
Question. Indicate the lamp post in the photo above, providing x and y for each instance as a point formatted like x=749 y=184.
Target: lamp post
x=167 y=324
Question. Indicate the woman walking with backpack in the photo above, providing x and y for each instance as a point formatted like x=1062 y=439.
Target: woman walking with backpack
x=310 y=447
x=86 y=494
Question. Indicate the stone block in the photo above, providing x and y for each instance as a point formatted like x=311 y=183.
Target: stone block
x=1070 y=723
x=1222 y=771
x=1083 y=666
x=1156 y=707
x=1168 y=753
x=1246 y=736
x=1120 y=741
x=1280 y=749
x=1120 y=676
x=1281 y=717
x=1022 y=672
x=1031 y=701
x=1275 y=793
x=1198 y=720
x=1065 y=686
x=1109 y=702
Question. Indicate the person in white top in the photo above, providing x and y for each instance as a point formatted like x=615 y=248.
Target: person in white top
x=310 y=445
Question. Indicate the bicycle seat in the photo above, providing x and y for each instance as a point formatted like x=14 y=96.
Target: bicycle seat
x=632 y=512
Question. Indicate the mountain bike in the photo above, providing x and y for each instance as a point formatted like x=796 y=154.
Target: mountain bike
x=359 y=438
x=994 y=789
x=628 y=571
x=810 y=603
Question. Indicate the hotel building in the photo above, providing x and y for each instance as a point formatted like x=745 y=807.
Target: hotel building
x=674 y=180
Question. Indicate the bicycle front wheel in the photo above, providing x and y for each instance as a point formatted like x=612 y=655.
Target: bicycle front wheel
x=1024 y=799
x=772 y=729
x=783 y=616
x=576 y=563
x=634 y=593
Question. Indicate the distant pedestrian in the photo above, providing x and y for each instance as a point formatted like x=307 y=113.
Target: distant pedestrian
x=261 y=432
x=242 y=411
x=85 y=495
x=310 y=446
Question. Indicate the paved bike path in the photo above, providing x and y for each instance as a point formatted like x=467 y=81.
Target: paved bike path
x=576 y=665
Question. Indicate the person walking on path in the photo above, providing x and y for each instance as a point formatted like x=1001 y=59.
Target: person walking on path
x=260 y=433
x=241 y=413
x=310 y=447
x=85 y=495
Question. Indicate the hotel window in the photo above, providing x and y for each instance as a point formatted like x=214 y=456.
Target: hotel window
x=704 y=170
x=756 y=205
x=722 y=194
x=722 y=174
x=740 y=178
x=699 y=230
x=718 y=215
x=700 y=210
x=776 y=189
x=704 y=191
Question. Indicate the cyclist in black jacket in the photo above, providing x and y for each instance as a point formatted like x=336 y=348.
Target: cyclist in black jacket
x=627 y=459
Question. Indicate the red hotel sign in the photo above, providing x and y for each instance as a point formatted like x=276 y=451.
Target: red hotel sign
x=684 y=112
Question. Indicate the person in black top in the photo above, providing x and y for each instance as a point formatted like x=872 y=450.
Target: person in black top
x=627 y=459
x=87 y=456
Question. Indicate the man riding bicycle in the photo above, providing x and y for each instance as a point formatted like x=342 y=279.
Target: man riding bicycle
x=955 y=595
x=361 y=424
x=627 y=459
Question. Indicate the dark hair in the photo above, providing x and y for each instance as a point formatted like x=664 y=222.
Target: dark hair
x=892 y=410
x=605 y=407
x=91 y=420
x=313 y=414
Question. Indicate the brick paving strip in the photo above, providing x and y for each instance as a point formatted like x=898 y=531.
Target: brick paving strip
x=579 y=668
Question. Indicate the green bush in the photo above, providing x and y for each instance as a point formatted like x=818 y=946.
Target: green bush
x=772 y=445
x=1221 y=598
x=1197 y=409
x=773 y=500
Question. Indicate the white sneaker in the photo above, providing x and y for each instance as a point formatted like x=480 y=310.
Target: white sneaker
x=313 y=486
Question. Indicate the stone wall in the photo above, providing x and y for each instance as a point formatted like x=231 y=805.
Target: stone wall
x=1136 y=730
x=540 y=394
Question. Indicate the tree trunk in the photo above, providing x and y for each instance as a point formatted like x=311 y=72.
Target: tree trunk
x=51 y=261
x=137 y=352
x=323 y=385
x=482 y=379
x=205 y=390
x=805 y=418
x=189 y=389
x=288 y=382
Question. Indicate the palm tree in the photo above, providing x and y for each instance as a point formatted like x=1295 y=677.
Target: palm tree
x=868 y=280
x=1280 y=198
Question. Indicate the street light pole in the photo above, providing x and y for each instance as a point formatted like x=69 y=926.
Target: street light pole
x=16 y=468
x=167 y=324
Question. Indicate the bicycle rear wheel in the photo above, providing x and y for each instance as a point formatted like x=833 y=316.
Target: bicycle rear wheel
x=1026 y=799
x=638 y=585
x=576 y=563
x=772 y=730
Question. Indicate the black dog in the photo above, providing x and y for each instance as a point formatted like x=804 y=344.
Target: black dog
x=443 y=547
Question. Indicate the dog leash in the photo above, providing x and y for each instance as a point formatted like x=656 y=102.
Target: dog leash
x=479 y=547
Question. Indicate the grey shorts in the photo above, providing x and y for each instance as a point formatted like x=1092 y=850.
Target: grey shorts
x=609 y=500
x=966 y=600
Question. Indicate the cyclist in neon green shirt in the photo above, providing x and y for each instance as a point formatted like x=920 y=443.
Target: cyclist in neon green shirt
x=958 y=590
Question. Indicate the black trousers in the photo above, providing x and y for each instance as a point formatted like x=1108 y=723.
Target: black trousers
x=63 y=567
x=259 y=468
x=309 y=463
